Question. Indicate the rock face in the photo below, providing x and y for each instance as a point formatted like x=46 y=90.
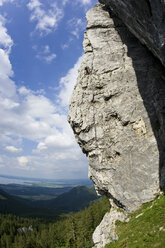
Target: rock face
x=106 y=230
x=145 y=19
x=117 y=114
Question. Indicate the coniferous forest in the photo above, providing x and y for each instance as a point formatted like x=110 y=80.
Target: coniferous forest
x=72 y=230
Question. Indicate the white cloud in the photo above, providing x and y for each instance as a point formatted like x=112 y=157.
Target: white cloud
x=8 y=104
x=23 y=163
x=45 y=54
x=56 y=141
x=7 y=86
x=34 y=117
x=67 y=44
x=5 y=1
x=24 y=91
x=22 y=160
x=29 y=115
x=1 y=163
x=38 y=106
x=31 y=118
x=48 y=59
x=67 y=84
x=86 y=2
x=13 y=149
x=34 y=4
x=76 y=25
x=5 y=68
x=5 y=40
x=47 y=19
x=64 y=2
x=25 y=113
x=46 y=49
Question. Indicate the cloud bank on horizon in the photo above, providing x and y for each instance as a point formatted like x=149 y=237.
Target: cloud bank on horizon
x=35 y=138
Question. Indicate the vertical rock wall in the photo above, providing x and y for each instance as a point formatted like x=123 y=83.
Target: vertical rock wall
x=114 y=111
x=117 y=112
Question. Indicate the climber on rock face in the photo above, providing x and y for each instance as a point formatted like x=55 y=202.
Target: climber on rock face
x=87 y=70
x=89 y=43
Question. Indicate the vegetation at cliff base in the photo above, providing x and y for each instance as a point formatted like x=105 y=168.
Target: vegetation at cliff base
x=72 y=230
x=146 y=228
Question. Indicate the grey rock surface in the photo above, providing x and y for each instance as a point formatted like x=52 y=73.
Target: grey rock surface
x=106 y=231
x=117 y=112
x=145 y=19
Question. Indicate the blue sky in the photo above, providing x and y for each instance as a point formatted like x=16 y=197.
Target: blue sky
x=40 y=53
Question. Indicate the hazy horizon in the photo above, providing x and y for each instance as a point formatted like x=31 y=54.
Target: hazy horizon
x=14 y=180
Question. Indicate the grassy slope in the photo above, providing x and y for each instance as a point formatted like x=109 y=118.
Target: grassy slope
x=145 y=231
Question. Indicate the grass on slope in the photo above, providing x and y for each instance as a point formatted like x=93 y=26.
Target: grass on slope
x=146 y=228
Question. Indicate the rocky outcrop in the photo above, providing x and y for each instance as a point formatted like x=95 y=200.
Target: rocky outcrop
x=106 y=231
x=145 y=19
x=117 y=113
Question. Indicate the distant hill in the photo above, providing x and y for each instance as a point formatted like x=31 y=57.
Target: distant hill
x=13 y=205
x=34 y=192
x=76 y=199
x=24 y=208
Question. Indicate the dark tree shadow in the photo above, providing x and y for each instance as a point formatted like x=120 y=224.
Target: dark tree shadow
x=151 y=83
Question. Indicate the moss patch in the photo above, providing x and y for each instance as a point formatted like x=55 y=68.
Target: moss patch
x=146 y=228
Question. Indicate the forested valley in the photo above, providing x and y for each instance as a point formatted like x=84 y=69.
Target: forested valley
x=71 y=230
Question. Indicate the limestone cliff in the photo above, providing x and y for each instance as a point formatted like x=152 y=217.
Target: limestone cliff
x=117 y=114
